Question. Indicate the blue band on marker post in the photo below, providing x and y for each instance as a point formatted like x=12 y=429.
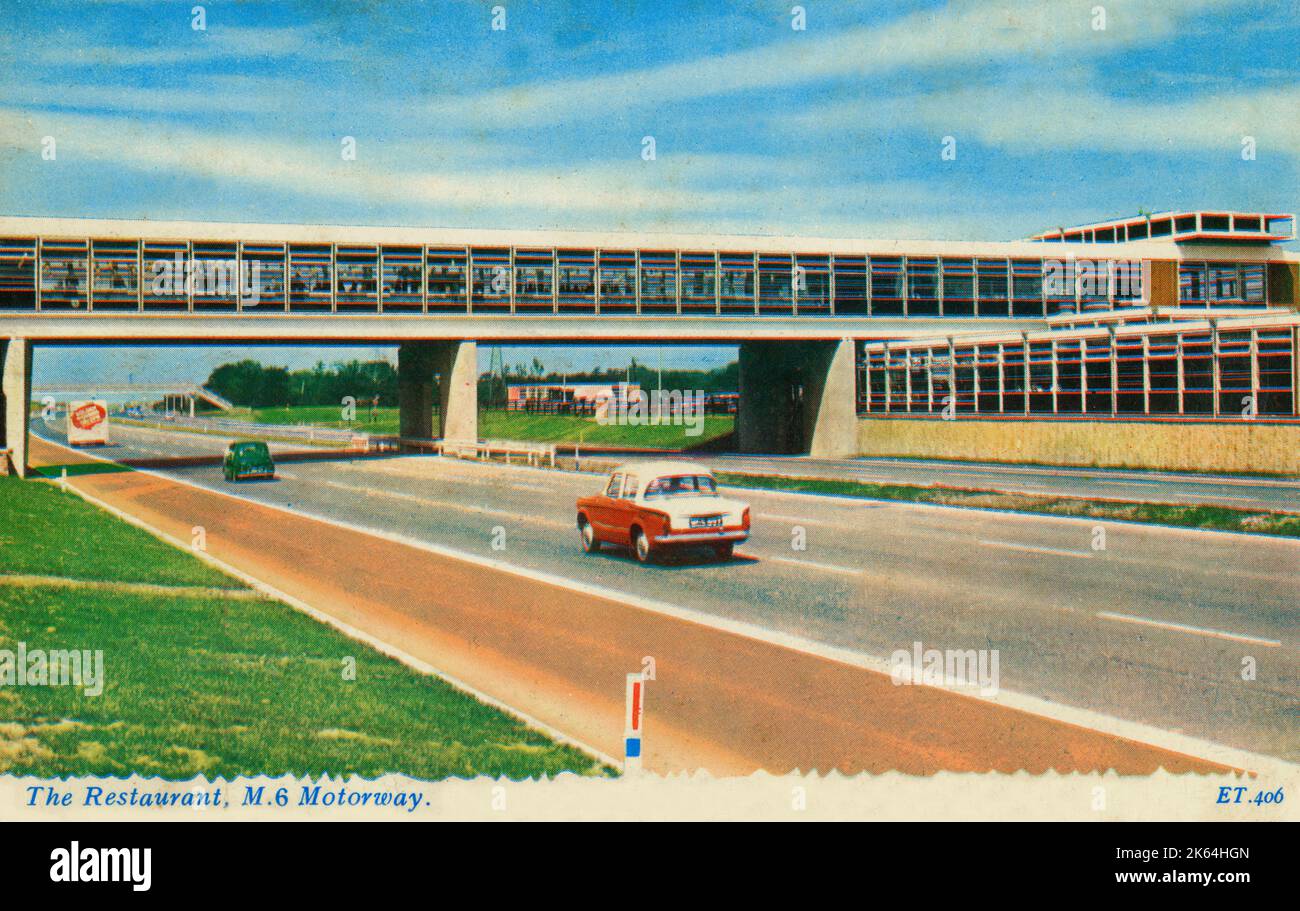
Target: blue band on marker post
x=632 y=747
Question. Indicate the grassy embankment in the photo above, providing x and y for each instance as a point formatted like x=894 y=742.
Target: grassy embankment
x=1218 y=518
x=206 y=676
x=504 y=425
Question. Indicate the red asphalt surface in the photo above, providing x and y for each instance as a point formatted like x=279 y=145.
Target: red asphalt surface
x=720 y=702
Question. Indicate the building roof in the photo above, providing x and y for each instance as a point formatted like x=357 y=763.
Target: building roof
x=1182 y=227
x=217 y=232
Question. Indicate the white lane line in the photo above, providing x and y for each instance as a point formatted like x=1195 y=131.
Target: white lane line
x=1106 y=724
x=445 y=504
x=1184 y=628
x=1033 y=549
x=798 y=520
x=809 y=564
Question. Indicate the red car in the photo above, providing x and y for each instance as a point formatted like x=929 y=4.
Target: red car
x=657 y=506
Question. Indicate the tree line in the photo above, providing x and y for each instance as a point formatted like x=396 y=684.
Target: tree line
x=251 y=384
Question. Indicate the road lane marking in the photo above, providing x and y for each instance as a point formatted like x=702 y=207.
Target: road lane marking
x=445 y=504
x=1034 y=549
x=1106 y=724
x=825 y=567
x=802 y=521
x=1184 y=628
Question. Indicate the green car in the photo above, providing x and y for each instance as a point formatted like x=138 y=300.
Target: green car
x=247 y=460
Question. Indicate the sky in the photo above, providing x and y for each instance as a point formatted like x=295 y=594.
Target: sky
x=1060 y=112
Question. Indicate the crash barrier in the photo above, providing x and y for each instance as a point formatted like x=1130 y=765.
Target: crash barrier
x=534 y=454
x=227 y=427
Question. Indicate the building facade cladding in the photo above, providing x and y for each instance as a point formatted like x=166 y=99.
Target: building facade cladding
x=262 y=275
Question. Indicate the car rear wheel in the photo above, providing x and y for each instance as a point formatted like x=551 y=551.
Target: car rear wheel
x=641 y=544
x=587 y=534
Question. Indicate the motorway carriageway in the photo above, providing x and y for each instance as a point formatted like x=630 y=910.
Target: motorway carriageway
x=1232 y=491
x=1151 y=631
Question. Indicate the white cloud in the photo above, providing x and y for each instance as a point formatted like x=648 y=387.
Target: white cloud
x=699 y=192
x=973 y=32
x=184 y=45
x=1056 y=118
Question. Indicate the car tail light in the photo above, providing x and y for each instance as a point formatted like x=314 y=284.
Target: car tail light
x=744 y=518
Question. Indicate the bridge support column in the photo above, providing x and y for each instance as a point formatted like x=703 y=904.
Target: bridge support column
x=798 y=397
x=456 y=366
x=15 y=401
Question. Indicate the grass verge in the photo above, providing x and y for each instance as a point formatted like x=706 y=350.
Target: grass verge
x=508 y=425
x=1217 y=518
x=200 y=681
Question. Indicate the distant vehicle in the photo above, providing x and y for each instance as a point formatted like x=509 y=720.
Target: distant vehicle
x=247 y=460
x=654 y=507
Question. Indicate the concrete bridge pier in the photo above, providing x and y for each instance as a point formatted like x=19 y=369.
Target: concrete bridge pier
x=15 y=400
x=455 y=365
x=798 y=397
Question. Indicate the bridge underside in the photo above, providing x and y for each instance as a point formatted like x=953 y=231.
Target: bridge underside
x=796 y=396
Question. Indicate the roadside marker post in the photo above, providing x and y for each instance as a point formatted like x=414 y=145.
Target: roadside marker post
x=632 y=723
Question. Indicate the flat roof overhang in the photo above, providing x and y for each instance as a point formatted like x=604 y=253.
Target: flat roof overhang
x=79 y=229
x=382 y=329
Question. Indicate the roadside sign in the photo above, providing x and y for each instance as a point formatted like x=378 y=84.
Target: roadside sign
x=632 y=722
x=88 y=423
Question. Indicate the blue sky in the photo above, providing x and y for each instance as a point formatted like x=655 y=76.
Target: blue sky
x=833 y=130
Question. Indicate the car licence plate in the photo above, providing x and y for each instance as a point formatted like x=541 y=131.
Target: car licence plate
x=706 y=521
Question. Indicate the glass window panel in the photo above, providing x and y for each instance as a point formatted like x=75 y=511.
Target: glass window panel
x=17 y=274
x=993 y=288
x=534 y=271
x=1198 y=373
x=886 y=286
x=1097 y=366
x=1253 y=282
x=576 y=278
x=164 y=276
x=1191 y=284
x=115 y=277
x=958 y=287
x=1027 y=287
x=1013 y=377
x=658 y=281
x=490 y=279
x=1069 y=376
x=736 y=282
x=1040 y=377
x=215 y=276
x=1223 y=283
x=1130 y=375
x=850 y=285
x=813 y=284
x=262 y=287
x=775 y=284
x=446 y=270
x=922 y=286
x=699 y=283
x=310 y=277
x=617 y=281
x=64 y=272
x=1276 y=371
x=356 y=278
x=403 y=284
x=1234 y=372
x=1059 y=286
